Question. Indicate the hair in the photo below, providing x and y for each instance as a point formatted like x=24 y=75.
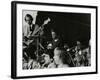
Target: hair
x=52 y=30
x=64 y=56
x=28 y=15
x=50 y=53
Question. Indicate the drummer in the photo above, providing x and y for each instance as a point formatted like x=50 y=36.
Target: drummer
x=55 y=42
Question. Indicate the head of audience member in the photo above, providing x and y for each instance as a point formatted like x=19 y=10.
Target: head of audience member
x=61 y=57
x=28 y=19
x=48 y=57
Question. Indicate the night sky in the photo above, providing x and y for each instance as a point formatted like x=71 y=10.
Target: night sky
x=71 y=27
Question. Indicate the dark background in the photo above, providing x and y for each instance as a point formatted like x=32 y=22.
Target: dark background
x=71 y=27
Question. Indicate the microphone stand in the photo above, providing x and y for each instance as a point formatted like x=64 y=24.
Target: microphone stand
x=38 y=42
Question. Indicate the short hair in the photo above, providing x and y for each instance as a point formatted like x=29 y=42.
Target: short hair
x=28 y=15
x=64 y=56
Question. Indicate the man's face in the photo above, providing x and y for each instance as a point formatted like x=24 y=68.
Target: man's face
x=28 y=20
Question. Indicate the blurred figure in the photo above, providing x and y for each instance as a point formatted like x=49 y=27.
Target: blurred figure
x=48 y=60
x=56 y=41
x=61 y=58
x=82 y=55
x=78 y=54
x=87 y=54
x=32 y=62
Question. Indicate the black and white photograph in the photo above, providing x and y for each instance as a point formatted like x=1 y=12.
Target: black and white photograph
x=54 y=39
